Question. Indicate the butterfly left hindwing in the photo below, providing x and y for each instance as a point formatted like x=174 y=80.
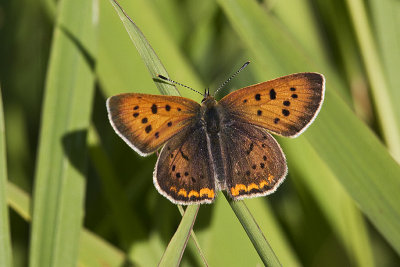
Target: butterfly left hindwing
x=183 y=172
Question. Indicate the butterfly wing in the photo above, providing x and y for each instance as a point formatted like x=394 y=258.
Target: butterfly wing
x=284 y=106
x=145 y=121
x=255 y=163
x=183 y=173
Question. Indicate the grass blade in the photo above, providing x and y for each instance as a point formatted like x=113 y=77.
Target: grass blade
x=254 y=232
x=93 y=250
x=387 y=29
x=339 y=209
x=360 y=162
x=147 y=53
x=195 y=240
x=60 y=176
x=173 y=254
x=375 y=72
x=5 y=239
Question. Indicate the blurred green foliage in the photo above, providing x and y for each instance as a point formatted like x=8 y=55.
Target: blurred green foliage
x=323 y=214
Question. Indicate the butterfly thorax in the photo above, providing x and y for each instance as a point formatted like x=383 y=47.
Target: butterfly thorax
x=211 y=115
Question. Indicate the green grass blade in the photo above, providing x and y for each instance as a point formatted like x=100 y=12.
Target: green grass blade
x=19 y=201
x=386 y=20
x=339 y=209
x=195 y=240
x=93 y=251
x=147 y=53
x=273 y=231
x=173 y=254
x=60 y=174
x=347 y=146
x=5 y=239
x=110 y=71
x=361 y=163
x=254 y=232
x=376 y=76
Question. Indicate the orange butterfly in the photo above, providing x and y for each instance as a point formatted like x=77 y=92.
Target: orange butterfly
x=222 y=145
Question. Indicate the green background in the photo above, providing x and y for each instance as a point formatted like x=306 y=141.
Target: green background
x=72 y=192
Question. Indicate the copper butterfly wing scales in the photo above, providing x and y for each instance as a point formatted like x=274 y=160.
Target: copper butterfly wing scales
x=145 y=122
x=222 y=145
x=285 y=106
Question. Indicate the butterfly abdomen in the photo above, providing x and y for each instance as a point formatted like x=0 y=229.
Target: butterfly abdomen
x=213 y=115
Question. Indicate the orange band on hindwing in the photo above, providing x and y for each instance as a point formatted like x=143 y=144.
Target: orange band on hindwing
x=204 y=192
x=235 y=191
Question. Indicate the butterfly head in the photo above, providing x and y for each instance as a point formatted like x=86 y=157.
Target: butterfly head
x=206 y=95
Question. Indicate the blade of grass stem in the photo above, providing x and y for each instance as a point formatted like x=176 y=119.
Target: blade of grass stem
x=254 y=232
x=173 y=254
x=5 y=239
x=376 y=77
x=94 y=251
x=195 y=240
x=61 y=166
x=145 y=50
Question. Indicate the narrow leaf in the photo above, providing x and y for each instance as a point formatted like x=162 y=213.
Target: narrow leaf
x=5 y=239
x=94 y=251
x=61 y=167
x=254 y=232
x=147 y=53
x=376 y=76
x=173 y=254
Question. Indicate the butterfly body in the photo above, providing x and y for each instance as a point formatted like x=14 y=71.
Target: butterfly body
x=213 y=119
x=223 y=145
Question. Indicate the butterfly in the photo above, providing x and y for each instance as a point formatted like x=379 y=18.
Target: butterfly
x=218 y=145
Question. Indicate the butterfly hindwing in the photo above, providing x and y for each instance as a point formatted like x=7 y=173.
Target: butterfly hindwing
x=255 y=163
x=183 y=173
x=284 y=106
x=145 y=122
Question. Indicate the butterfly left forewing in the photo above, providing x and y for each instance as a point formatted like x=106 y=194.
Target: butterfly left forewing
x=284 y=106
x=145 y=121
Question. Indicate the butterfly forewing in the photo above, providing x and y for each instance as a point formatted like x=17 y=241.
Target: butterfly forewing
x=255 y=163
x=183 y=172
x=284 y=106
x=145 y=122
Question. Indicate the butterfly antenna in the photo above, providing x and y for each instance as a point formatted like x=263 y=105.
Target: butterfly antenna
x=172 y=81
x=236 y=73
